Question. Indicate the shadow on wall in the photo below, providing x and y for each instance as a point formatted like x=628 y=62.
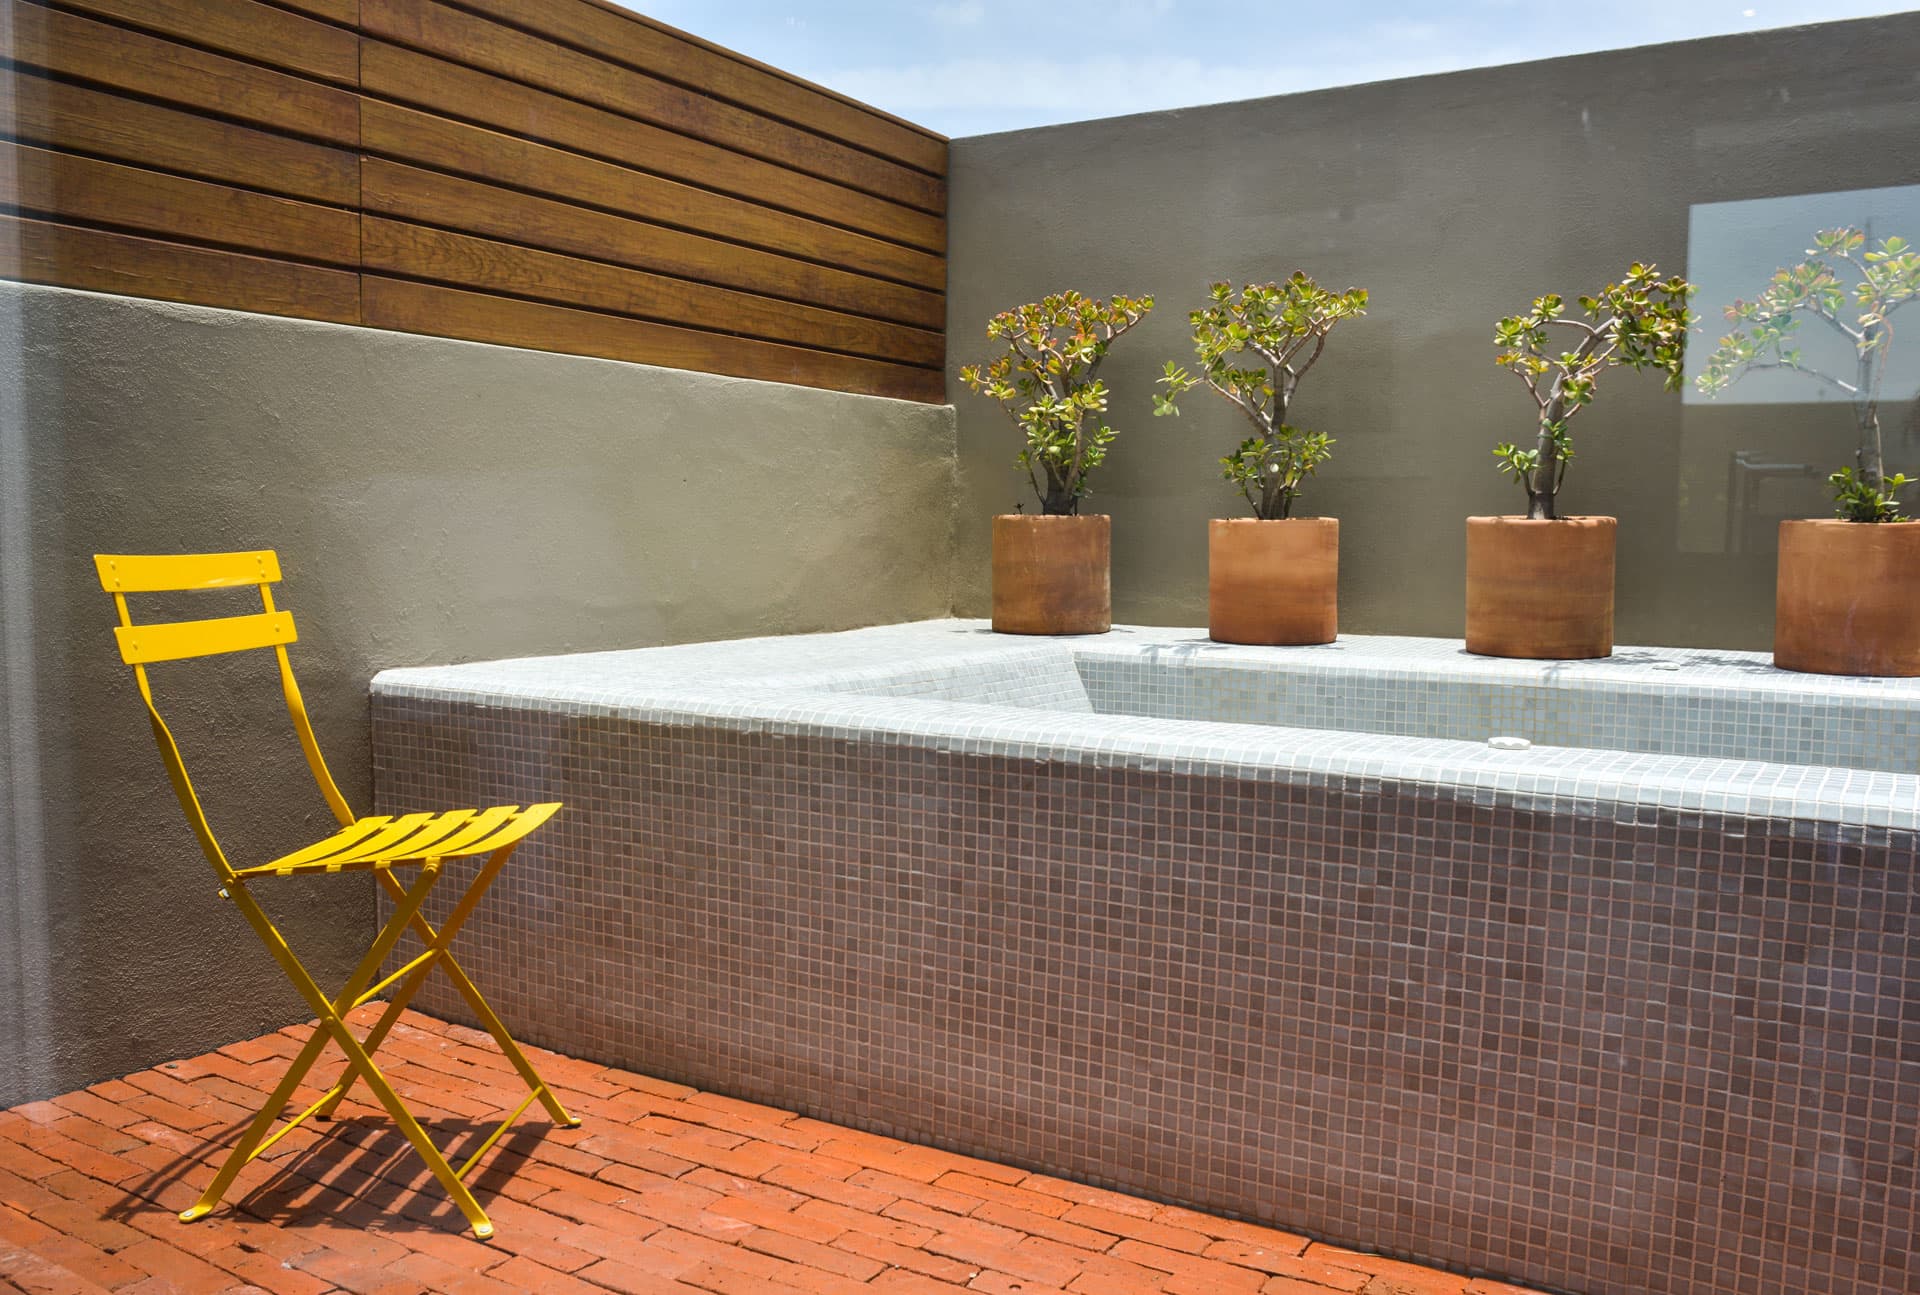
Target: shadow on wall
x=25 y=991
x=432 y=501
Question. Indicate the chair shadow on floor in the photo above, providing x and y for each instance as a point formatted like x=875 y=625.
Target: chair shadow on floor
x=359 y=1173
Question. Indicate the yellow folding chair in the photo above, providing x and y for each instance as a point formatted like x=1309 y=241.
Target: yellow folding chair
x=380 y=845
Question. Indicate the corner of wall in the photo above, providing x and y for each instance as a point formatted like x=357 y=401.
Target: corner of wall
x=955 y=503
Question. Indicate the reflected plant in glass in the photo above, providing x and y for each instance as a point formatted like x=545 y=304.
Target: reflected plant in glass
x=1639 y=323
x=1048 y=382
x=1854 y=290
x=1285 y=326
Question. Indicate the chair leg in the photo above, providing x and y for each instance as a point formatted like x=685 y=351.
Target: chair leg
x=440 y=944
x=462 y=1198
x=310 y=1053
x=375 y=1036
x=332 y=1024
x=498 y=1030
x=256 y=1131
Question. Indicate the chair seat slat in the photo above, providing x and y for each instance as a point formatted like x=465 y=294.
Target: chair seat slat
x=523 y=822
x=427 y=840
x=351 y=835
x=347 y=846
x=461 y=842
x=138 y=573
x=375 y=846
x=177 y=640
x=449 y=835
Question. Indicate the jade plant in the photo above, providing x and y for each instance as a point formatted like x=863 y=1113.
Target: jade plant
x=1639 y=323
x=1048 y=382
x=1284 y=325
x=1854 y=290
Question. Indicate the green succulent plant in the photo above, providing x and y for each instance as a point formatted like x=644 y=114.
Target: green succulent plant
x=1284 y=325
x=1638 y=323
x=1048 y=382
x=1854 y=290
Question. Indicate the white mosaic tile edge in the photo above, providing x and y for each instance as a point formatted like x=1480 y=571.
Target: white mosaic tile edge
x=790 y=686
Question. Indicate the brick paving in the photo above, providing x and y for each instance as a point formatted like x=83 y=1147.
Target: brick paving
x=663 y=1189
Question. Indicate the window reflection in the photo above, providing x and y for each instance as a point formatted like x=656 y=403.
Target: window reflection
x=1760 y=451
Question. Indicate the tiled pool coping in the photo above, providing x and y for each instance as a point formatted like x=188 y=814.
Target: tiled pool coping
x=958 y=686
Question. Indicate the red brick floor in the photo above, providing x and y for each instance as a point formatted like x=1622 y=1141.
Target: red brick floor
x=663 y=1188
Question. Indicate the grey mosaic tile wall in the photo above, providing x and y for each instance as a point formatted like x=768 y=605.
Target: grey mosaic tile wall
x=1565 y=1021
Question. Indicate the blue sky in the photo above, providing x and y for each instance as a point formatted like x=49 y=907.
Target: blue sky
x=967 y=67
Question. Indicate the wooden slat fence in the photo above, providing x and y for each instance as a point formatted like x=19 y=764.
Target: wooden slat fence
x=557 y=174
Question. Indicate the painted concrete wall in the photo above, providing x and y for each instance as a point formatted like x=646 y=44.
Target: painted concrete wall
x=432 y=501
x=1456 y=199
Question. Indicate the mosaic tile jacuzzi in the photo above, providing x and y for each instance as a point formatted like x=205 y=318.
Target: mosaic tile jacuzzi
x=1267 y=931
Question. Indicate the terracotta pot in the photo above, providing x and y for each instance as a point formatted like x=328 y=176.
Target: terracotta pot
x=1848 y=598
x=1273 y=583
x=1050 y=575
x=1538 y=589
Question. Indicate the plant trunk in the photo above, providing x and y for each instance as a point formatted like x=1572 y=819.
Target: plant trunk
x=1872 y=462
x=1871 y=456
x=1276 y=500
x=1059 y=500
x=1544 y=484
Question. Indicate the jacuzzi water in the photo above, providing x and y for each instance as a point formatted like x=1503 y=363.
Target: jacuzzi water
x=1726 y=705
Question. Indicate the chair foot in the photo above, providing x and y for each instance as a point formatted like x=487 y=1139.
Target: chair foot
x=483 y=1231
x=195 y=1213
x=572 y=1122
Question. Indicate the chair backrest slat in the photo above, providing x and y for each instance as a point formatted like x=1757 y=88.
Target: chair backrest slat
x=141 y=645
x=177 y=640
x=127 y=573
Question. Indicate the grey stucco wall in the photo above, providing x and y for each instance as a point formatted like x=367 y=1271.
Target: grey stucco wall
x=1456 y=199
x=432 y=501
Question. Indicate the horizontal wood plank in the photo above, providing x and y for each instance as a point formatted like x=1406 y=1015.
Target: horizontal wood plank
x=550 y=174
x=150 y=65
x=37 y=251
x=247 y=28
x=640 y=43
x=450 y=312
x=410 y=193
x=344 y=12
x=74 y=118
x=448 y=89
x=107 y=193
x=463 y=38
x=412 y=136
x=414 y=251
